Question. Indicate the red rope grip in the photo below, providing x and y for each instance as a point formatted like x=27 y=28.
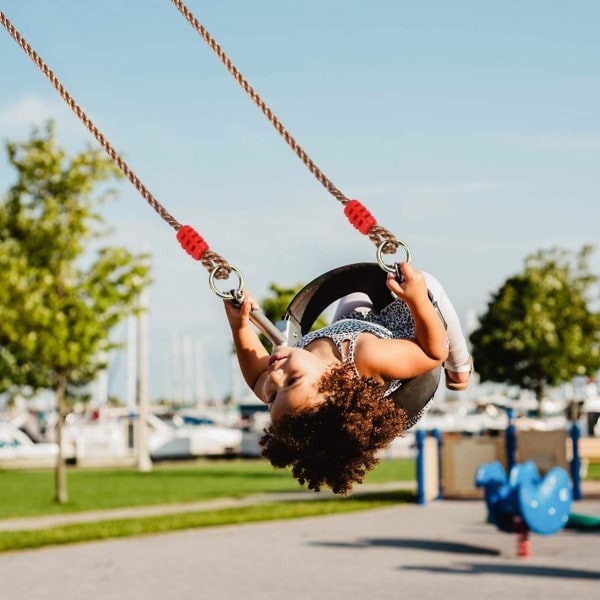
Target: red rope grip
x=359 y=216
x=192 y=242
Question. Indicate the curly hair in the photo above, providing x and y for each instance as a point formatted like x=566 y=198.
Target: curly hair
x=334 y=443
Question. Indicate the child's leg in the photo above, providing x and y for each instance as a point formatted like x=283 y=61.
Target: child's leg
x=356 y=301
x=458 y=360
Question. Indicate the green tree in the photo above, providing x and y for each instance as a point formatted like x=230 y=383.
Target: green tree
x=540 y=328
x=59 y=299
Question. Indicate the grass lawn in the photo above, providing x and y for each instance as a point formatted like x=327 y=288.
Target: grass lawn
x=84 y=532
x=593 y=471
x=26 y=493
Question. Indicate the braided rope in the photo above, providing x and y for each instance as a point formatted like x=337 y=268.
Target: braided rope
x=210 y=260
x=376 y=234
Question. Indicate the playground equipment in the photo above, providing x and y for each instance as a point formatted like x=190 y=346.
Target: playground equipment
x=447 y=463
x=523 y=502
x=519 y=500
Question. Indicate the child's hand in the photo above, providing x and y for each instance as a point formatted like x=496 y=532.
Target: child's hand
x=240 y=317
x=413 y=287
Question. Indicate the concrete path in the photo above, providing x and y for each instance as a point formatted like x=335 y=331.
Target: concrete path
x=444 y=550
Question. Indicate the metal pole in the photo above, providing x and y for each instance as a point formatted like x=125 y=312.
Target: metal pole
x=575 y=434
x=437 y=434
x=421 y=495
x=267 y=328
x=511 y=441
x=144 y=462
x=257 y=317
x=132 y=360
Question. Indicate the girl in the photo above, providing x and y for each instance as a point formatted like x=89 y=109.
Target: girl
x=326 y=394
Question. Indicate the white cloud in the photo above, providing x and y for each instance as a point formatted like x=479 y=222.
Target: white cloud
x=557 y=141
x=453 y=189
x=26 y=111
x=17 y=118
x=402 y=203
x=430 y=191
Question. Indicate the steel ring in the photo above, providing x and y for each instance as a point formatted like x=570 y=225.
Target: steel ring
x=385 y=266
x=225 y=295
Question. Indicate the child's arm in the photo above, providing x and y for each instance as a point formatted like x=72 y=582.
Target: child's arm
x=251 y=354
x=403 y=359
x=430 y=332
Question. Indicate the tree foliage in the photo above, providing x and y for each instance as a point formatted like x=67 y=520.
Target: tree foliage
x=59 y=300
x=542 y=326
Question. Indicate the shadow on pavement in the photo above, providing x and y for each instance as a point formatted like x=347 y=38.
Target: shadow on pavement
x=414 y=544
x=511 y=569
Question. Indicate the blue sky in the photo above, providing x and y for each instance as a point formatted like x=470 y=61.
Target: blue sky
x=471 y=130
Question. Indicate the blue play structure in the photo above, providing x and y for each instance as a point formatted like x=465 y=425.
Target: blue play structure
x=519 y=500
x=523 y=501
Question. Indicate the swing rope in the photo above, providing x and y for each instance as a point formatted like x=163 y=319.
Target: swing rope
x=190 y=240
x=356 y=213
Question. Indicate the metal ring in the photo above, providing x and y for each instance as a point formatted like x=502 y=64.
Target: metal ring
x=225 y=295
x=391 y=268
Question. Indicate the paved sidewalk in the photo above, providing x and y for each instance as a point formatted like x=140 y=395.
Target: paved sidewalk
x=442 y=550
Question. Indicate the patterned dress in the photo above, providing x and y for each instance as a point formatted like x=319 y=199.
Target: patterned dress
x=393 y=322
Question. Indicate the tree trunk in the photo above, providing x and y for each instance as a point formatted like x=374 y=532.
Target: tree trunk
x=539 y=396
x=62 y=496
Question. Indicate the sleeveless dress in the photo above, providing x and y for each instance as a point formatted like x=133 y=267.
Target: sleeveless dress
x=392 y=322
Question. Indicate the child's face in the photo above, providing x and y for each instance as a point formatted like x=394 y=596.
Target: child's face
x=292 y=380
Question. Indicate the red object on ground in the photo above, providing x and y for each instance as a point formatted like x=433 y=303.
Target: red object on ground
x=523 y=542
